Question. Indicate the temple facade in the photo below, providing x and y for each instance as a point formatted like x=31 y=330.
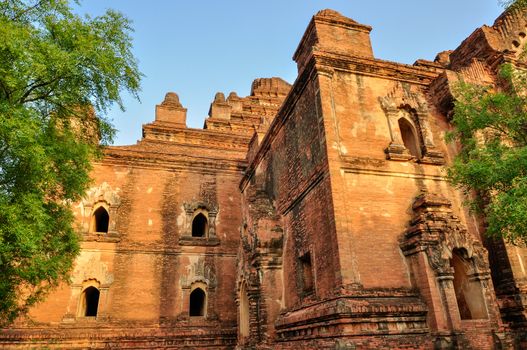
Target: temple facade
x=308 y=216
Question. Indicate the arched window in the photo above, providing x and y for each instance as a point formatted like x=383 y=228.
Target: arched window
x=197 y=302
x=100 y=220
x=90 y=302
x=199 y=226
x=468 y=291
x=409 y=137
x=244 y=311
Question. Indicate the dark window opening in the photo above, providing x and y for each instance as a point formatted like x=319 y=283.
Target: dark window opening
x=307 y=273
x=197 y=302
x=91 y=295
x=199 y=226
x=101 y=219
x=409 y=138
x=468 y=291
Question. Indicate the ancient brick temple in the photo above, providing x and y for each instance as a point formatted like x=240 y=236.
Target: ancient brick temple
x=311 y=216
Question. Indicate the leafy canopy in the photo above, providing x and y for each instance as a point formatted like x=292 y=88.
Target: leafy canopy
x=57 y=71
x=513 y=3
x=491 y=127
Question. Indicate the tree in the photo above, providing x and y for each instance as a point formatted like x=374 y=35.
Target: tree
x=57 y=71
x=491 y=167
x=513 y=3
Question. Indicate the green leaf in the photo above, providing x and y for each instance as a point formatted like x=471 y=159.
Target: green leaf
x=491 y=167
x=59 y=74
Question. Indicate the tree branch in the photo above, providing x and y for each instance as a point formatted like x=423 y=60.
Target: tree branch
x=29 y=9
x=24 y=97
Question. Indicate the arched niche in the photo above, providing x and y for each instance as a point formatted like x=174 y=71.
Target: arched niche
x=439 y=246
x=468 y=291
x=409 y=137
x=89 y=299
x=89 y=271
x=197 y=302
x=404 y=102
x=99 y=212
x=100 y=219
x=200 y=225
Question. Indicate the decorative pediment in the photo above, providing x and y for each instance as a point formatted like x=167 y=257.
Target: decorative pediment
x=193 y=234
x=436 y=230
x=199 y=271
x=191 y=207
x=102 y=193
x=411 y=136
x=107 y=198
x=402 y=96
x=88 y=267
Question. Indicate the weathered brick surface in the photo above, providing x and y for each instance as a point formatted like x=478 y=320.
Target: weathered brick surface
x=147 y=264
x=378 y=272
x=330 y=222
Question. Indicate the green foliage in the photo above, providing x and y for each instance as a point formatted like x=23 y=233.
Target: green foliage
x=57 y=71
x=513 y=3
x=491 y=127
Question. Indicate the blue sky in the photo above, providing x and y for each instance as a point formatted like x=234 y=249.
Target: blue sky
x=197 y=48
